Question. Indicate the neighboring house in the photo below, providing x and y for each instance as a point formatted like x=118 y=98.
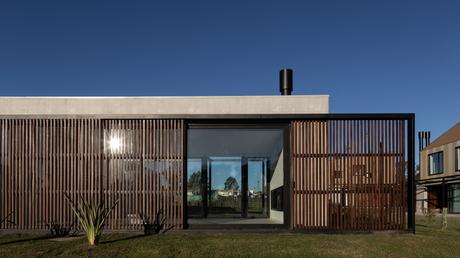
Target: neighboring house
x=228 y=193
x=311 y=170
x=439 y=183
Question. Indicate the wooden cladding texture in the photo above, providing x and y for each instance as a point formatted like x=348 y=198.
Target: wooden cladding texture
x=348 y=175
x=138 y=162
x=144 y=160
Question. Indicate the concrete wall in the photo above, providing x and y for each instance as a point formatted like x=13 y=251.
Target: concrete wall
x=421 y=200
x=276 y=181
x=448 y=162
x=135 y=106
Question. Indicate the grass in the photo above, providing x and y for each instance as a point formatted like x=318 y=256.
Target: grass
x=430 y=241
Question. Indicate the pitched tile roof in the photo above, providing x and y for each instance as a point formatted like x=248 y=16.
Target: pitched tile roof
x=451 y=135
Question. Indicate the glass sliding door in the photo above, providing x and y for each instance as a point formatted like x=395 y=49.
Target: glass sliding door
x=454 y=198
x=224 y=177
x=195 y=191
x=257 y=187
x=230 y=172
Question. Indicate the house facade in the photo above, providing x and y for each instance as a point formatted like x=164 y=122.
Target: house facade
x=281 y=162
x=439 y=183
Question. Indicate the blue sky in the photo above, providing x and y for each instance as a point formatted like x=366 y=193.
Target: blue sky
x=370 y=56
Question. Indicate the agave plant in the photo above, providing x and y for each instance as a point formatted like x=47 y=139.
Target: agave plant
x=92 y=216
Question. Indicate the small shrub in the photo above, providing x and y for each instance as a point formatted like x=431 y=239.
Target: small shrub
x=58 y=230
x=92 y=216
x=157 y=226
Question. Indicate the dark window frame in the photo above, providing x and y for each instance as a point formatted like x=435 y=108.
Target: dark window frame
x=450 y=195
x=276 y=199
x=457 y=157
x=259 y=123
x=442 y=163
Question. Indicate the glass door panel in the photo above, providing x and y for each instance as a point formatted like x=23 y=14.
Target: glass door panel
x=257 y=187
x=454 y=198
x=194 y=188
x=224 y=195
x=230 y=172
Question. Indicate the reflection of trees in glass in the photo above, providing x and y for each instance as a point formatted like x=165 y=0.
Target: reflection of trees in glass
x=194 y=182
x=231 y=184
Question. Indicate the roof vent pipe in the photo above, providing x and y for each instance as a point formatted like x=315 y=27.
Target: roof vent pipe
x=286 y=82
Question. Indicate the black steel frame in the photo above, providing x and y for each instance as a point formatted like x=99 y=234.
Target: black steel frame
x=457 y=158
x=248 y=120
x=245 y=124
x=410 y=172
x=266 y=119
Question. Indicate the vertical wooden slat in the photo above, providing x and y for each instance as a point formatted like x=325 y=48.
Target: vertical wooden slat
x=3 y=210
x=3 y=168
x=21 y=178
x=146 y=173
x=8 y=197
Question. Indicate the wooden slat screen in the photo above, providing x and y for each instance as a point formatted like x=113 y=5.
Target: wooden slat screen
x=348 y=175
x=144 y=160
x=42 y=159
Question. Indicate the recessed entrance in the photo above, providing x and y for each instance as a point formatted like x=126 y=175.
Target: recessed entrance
x=235 y=175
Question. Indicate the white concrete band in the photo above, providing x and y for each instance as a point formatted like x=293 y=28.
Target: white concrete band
x=294 y=104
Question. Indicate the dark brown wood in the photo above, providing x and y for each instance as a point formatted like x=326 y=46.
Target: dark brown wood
x=350 y=174
x=148 y=171
x=346 y=174
x=42 y=159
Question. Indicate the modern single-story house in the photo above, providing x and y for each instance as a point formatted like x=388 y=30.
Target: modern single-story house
x=208 y=162
x=439 y=183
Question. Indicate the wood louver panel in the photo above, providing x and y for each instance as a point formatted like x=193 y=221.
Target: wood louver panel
x=143 y=160
x=43 y=159
x=348 y=175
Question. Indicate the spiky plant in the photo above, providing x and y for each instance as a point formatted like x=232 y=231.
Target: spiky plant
x=59 y=230
x=156 y=226
x=92 y=216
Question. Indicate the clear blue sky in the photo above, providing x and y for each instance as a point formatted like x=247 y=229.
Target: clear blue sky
x=370 y=56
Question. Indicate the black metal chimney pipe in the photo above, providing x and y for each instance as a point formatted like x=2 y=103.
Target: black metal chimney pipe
x=286 y=81
x=420 y=141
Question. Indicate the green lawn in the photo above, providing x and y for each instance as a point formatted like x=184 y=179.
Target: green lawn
x=430 y=241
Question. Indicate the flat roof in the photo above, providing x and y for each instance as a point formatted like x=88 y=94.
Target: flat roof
x=180 y=105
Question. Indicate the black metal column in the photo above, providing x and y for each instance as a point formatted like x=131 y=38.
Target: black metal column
x=411 y=174
x=444 y=194
x=205 y=187
x=244 y=188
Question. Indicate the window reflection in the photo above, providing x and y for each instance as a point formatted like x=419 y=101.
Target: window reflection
x=231 y=173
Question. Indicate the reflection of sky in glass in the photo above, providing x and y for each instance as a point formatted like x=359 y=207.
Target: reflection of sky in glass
x=255 y=180
x=222 y=168
x=193 y=165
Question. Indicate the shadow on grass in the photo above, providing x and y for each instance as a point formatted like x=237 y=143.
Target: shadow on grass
x=421 y=225
x=38 y=238
x=123 y=239
x=21 y=240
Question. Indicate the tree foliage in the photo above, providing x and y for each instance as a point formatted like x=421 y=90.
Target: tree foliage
x=231 y=184
x=194 y=182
